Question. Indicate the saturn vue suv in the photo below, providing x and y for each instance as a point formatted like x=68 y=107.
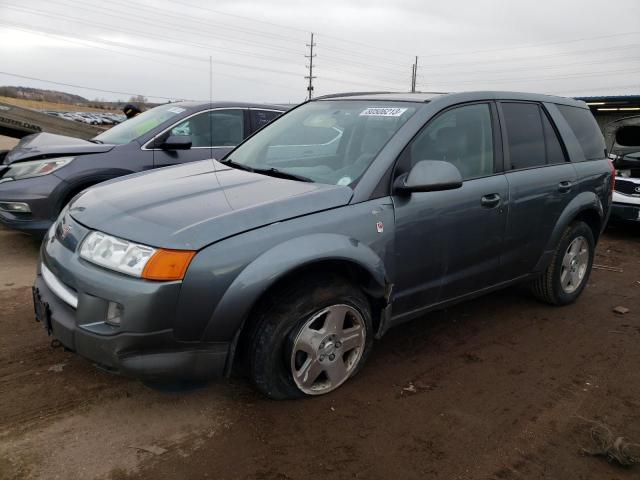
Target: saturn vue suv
x=346 y=216
x=45 y=171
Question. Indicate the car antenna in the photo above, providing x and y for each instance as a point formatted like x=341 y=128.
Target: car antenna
x=210 y=110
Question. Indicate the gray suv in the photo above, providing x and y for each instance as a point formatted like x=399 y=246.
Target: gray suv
x=346 y=216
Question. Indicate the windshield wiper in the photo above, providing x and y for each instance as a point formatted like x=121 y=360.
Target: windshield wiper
x=93 y=140
x=239 y=166
x=274 y=172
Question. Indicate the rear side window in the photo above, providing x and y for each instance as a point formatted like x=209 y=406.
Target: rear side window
x=259 y=118
x=586 y=130
x=555 y=153
x=525 y=135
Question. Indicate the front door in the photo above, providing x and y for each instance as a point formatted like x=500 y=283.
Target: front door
x=448 y=243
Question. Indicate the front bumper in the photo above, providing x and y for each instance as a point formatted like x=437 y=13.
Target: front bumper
x=42 y=194
x=144 y=345
x=626 y=212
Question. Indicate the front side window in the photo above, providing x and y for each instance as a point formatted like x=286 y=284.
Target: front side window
x=462 y=136
x=217 y=128
x=326 y=141
x=140 y=125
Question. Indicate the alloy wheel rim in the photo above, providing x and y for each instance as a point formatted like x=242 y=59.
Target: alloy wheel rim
x=327 y=349
x=574 y=264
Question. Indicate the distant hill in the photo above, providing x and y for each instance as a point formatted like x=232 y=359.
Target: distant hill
x=32 y=95
x=38 y=94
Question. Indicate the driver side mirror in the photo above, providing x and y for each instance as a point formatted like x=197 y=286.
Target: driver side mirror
x=176 y=142
x=429 y=176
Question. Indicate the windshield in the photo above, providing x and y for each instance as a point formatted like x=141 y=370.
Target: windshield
x=139 y=125
x=325 y=141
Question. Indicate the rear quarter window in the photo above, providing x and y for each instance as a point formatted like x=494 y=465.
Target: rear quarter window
x=586 y=130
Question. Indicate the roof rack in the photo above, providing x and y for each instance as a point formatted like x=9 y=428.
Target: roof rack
x=348 y=94
x=356 y=94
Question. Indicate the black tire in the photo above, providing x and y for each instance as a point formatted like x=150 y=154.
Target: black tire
x=276 y=325
x=548 y=287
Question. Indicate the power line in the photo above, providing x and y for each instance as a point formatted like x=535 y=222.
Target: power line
x=162 y=37
x=258 y=32
x=349 y=62
x=599 y=89
x=538 y=57
x=377 y=47
x=518 y=47
x=273 y=24
x=90 y=44
x=624 y=59
x=503 y=81
x=164 y=52
x=207 y=24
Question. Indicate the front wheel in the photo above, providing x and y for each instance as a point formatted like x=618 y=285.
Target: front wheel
x=310 y=339
x=567 y=274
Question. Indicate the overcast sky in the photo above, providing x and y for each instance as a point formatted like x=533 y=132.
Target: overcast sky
x=162 y=48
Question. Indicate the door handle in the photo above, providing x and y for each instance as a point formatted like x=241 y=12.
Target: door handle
x=491 y=200
x=565 y=186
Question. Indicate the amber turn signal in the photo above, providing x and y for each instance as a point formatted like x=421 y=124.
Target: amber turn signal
x=168 y=265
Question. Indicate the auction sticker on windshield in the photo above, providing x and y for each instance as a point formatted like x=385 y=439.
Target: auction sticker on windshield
x=382 y=112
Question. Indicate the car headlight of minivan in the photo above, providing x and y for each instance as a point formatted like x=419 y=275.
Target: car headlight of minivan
x=35 y=168
x=135 y=259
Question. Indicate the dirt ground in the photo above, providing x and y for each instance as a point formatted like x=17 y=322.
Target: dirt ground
x=499 y=388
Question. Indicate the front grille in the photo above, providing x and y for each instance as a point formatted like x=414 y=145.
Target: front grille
x=627 y=187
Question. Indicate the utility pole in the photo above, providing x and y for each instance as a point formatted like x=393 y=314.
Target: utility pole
x=414 y=74
x=310 y=77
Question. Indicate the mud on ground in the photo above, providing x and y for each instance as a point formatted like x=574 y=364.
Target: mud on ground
x=498 y=388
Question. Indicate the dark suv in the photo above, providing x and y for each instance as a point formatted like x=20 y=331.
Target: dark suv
x=44 y=171
x=344 y=217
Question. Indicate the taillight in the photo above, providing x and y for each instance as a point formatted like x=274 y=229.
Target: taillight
x=613 y=177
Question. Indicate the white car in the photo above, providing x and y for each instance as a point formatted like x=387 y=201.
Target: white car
x=626 y=196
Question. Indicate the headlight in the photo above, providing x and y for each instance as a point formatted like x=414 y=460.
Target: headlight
x=35 y=168
x=134 y=259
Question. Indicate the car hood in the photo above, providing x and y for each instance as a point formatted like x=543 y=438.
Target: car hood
x=193 y=205
x=47 y=145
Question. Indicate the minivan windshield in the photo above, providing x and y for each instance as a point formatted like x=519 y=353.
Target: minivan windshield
x=326 y=141
x=139 y=125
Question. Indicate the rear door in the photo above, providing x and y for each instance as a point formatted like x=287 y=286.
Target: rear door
x=448 y=243
x=214 y=133
x=541 y=184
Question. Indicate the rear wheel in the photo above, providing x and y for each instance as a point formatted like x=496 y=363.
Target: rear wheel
x=310 y=339
x=567 y=274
